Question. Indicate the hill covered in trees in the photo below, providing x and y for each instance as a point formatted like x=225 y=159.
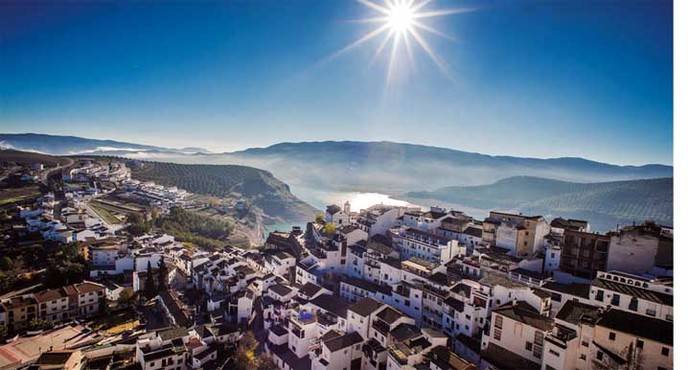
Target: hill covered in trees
x=604 y=204
x=192 y=227
x=256 y=187
x=28 y=158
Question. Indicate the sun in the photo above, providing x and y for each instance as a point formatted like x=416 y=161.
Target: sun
x=400 y=25
x=400 y=18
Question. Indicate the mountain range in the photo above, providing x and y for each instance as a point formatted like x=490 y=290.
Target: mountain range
x=552 y=186
x=604 y=204
x=73 y=145
x=393 y=168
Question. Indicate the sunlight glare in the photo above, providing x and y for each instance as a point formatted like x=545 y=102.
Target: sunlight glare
x=400 y=26
x=400 y=18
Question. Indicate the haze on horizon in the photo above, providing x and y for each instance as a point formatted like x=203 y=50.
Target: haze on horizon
x=534 y=79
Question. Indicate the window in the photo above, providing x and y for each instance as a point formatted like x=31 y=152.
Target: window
x=528 y=346
x=665 y=351
x=498 y=323
x=539 y=338
x=612 y=336
x=639 y=344
x=633 y=304
x=616 y=300
x=600 y=296
x=497 y=334
x=585 y=343
x=583 y=357
x=600 y=355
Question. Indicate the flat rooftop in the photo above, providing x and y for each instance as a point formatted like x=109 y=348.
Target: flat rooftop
x=27 y=349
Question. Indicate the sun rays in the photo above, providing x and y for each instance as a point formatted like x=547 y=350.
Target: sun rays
x=400 y=29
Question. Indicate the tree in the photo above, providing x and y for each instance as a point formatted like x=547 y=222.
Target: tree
x=162 y=275
x=7 y=281
x=319 y=218
x=39 y=324
x=137 y=224
x=329 y=229
x=246 y=358
x=149 y=285
x=245 y=355
x=264 y=362
x=126 y=296
x=6 y=264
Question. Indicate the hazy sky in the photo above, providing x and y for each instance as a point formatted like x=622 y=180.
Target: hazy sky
x=529 y=78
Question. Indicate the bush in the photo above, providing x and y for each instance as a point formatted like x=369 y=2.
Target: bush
x=329 y=229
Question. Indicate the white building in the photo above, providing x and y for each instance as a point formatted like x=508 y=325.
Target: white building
x=516 y=336
x=338 y=216
x=634 y=294
x=424 y=245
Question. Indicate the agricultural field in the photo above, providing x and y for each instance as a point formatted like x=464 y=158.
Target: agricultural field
x=105 y=214
x=115 y=212
x=17 y=195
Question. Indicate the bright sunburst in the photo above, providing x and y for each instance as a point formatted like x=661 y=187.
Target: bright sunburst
x=401 y=22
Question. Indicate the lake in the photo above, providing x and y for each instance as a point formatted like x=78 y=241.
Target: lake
x=362 y=200
x=358 y=200
x=320 y=199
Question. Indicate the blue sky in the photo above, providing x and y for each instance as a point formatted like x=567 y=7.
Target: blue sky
x=529 y=78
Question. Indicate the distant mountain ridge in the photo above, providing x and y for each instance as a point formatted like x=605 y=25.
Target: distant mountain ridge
x=387 y=167
x=604 y=204
x=72 y=145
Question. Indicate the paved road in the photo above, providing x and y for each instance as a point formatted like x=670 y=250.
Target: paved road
x=46 y=174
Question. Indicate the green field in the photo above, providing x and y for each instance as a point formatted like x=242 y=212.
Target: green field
x=114 y=212
x=103 y=212
x=14 y=195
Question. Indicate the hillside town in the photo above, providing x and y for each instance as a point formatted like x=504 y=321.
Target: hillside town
x=386 y=287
